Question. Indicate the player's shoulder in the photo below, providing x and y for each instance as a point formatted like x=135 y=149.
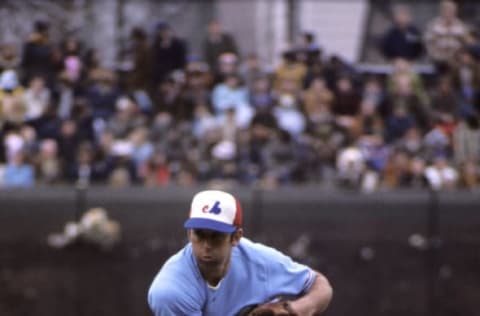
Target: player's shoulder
x=178 y=271
x=177 y=280
x=258 y=252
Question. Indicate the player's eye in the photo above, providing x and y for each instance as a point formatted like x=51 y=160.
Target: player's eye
x=217 y=237
x=199 y=234
x=211 y=237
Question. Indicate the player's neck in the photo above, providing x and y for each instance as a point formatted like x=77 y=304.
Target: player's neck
x=215 y=275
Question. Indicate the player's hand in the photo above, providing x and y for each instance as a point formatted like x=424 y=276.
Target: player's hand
x=282 y=308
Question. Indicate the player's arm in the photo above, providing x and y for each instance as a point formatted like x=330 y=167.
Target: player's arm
x=316 y=299
x=171 y=300
x=309 y=291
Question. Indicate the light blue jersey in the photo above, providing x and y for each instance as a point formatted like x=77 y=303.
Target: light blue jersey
x=257 y=274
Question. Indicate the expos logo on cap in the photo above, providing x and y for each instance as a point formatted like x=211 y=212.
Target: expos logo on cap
x=215 y=210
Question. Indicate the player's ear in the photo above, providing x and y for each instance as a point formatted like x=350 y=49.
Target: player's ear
x=189 y=234
x=236 y=236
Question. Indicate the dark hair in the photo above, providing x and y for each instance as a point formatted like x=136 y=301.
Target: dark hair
x=472 y=121
x=138 y=33
x=309 y=37
x=161 y=25
x=41 y=26
x=289 y=55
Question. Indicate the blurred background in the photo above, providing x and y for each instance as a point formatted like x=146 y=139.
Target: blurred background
x=348 y=129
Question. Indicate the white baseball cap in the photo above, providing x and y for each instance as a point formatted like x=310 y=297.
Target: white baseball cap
x=215 y=210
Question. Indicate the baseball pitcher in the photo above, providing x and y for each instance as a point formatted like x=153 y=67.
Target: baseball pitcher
x=221 y=273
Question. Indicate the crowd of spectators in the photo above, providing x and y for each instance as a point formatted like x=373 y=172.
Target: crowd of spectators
x=225 y=117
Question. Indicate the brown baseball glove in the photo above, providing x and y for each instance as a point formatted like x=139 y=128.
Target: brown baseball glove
x=281 y=308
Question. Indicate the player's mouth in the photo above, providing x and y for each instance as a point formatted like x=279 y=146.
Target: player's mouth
x=207 y=258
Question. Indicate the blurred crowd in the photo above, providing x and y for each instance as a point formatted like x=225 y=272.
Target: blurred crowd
x=172 y=118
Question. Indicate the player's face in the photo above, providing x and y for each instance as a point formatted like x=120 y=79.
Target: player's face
x=211 y=248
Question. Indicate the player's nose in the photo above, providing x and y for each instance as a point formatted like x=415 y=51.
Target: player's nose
x=207 y=244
